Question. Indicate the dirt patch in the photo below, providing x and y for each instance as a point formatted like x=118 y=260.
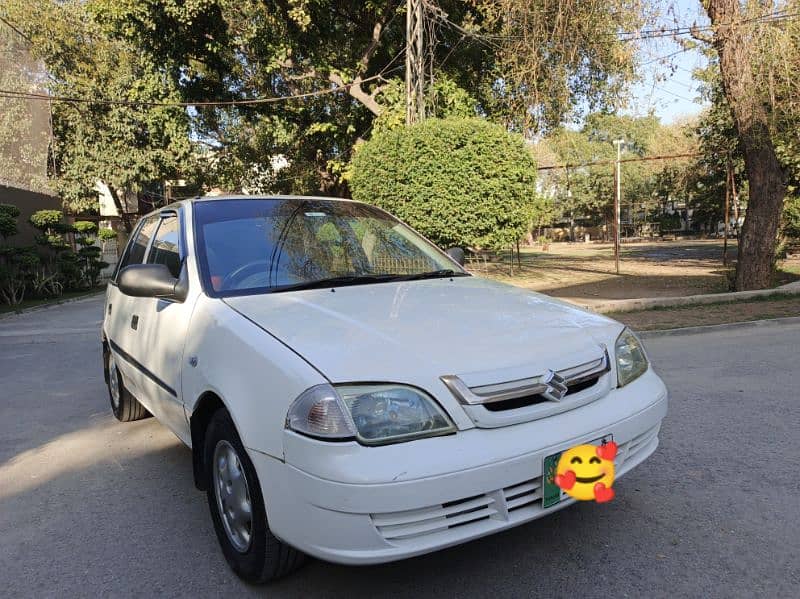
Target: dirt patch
x=585 y=273
x=690 y=316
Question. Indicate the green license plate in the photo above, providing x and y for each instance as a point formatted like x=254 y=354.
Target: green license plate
x=551 y=492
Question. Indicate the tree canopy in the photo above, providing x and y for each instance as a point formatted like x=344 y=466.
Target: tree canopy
x=292 y=54
x=459 y=181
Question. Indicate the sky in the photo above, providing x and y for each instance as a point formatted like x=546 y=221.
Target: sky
x=667 y=87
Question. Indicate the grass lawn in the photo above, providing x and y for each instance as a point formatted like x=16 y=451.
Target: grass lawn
x=584 y=273
x=777 y=306
x=5 y=309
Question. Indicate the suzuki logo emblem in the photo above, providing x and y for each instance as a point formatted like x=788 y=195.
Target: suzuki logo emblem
x=556 y=386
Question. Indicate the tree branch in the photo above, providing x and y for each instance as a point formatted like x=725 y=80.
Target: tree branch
x=353 y=88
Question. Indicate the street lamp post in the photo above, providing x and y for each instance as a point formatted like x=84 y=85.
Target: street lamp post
x=618 y=143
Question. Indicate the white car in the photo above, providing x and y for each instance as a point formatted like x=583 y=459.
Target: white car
x=348 y=390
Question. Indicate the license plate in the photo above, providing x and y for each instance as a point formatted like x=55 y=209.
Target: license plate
x=551 y=492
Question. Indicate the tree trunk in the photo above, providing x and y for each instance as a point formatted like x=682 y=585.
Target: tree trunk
x=764 y=172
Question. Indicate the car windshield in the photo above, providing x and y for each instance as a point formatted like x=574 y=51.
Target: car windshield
x=268 y=245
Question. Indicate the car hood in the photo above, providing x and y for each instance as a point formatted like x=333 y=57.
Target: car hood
x=410 y=332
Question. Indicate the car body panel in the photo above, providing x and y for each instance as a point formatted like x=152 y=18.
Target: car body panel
x=255 y=375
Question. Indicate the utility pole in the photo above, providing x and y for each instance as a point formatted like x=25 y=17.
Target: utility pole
x=415 y=62
x=617 y=198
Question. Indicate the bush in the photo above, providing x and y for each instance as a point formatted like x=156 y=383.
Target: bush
x=459 y=181
x=46 y=220
x=8 y=220
x=107 y=234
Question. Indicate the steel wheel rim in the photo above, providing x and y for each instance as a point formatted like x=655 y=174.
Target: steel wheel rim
x=233 y=496
x=113 y=381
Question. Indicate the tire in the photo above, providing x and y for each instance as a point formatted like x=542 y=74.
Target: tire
x=251 y=550
x=125 y=406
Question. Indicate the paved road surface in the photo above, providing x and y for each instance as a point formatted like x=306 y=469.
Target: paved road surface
x=92 y=507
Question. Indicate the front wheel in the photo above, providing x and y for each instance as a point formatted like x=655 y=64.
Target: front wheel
x=237 y=508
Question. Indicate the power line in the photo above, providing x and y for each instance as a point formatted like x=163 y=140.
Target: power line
x=606 y=162
x=623 y=36
x=4 y=93
x=15 y=29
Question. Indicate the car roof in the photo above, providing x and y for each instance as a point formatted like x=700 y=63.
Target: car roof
x=265 y=197
x=221 y=198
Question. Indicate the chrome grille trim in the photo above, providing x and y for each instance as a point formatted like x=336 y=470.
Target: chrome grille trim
x=524 y=387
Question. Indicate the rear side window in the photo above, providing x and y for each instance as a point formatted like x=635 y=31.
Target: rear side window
x=134 y=253
x=166 y=246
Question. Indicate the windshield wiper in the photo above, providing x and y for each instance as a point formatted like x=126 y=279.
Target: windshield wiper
x=336 y=282
x=434 y=274
x=366 y=279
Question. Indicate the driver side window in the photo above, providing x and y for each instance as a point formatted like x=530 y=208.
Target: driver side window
x=166 y=246
x=134 y=253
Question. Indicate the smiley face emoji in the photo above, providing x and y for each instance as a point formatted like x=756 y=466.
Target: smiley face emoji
x=586 y=472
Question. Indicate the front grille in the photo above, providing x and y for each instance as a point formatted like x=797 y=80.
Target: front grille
x=510 y=402
x=530 y=400
x=490 y=510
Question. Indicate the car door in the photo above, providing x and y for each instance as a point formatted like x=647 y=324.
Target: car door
x=162 y=326
x=121 y=320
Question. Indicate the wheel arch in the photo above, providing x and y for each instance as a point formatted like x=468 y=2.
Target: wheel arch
x=208 y=403
x=106 y=353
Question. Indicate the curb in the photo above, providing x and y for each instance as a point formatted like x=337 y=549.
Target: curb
x=47 y=306
x=710 y=328
x=631 y=305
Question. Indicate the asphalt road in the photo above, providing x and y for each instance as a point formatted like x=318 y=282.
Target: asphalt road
x=93 y=507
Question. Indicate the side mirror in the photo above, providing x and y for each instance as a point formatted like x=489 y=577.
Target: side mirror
x=456 y=254
x=152 y=280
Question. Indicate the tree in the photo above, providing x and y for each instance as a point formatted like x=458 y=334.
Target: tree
x=273 y=49
x=736 y=49
x=556 y=58
x=125 y=146
x=585 y=191
x=461 y=182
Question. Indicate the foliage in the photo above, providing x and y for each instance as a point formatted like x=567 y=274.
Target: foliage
x=89 y=254
x=790 y=226
x=584 y=192
x=46 y=220
x=17 y=265
x=106 y=234
x=24 y=130
x=752 y=80
x=555 y=58
x=17 y=268
x=462 y=182
x=200 y=50
x=124 y=146
x=8 y=220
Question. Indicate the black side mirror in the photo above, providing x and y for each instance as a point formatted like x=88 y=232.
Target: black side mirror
x=456 y=254
x=153 y=280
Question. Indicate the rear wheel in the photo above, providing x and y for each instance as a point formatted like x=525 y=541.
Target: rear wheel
x=125 y=406
x=237 y=508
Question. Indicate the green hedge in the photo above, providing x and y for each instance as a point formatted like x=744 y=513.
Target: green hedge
x=459 y=181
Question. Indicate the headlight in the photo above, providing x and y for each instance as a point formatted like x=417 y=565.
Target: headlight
x=631 y=359
x=373 y=414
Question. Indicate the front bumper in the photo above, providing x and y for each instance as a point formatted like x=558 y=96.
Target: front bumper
x=351 y=504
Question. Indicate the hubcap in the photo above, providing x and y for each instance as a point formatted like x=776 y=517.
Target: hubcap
x=113 y=381
x=233 y=496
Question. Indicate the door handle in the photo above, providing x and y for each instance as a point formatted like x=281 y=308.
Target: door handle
x=135 y=322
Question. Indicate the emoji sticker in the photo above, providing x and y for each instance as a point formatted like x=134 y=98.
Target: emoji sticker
x=586 y=472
